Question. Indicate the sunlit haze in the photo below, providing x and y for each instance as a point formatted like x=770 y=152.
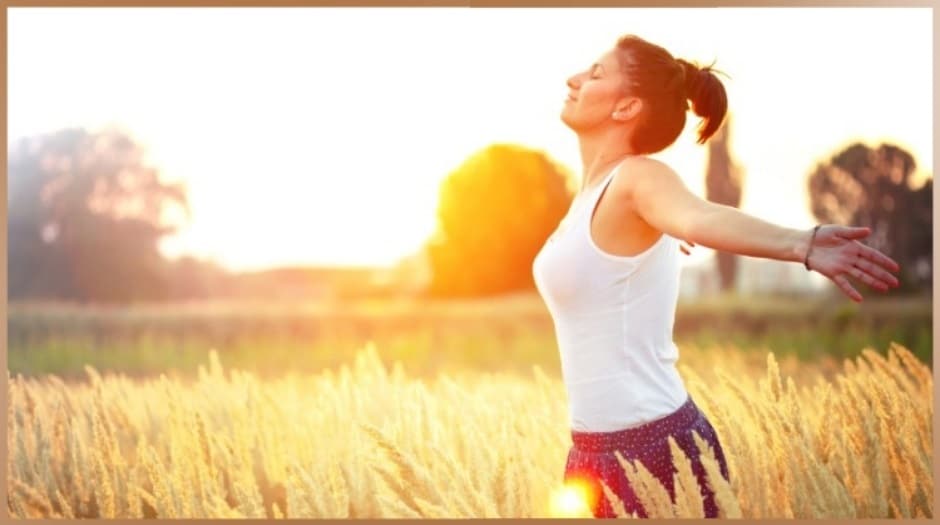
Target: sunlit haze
x=321 y=135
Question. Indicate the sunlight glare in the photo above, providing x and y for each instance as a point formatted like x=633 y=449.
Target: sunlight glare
x=570 y=501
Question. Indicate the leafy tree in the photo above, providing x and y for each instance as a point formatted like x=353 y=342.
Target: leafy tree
x=863 y=186
x=495 y=212
x=85 y=218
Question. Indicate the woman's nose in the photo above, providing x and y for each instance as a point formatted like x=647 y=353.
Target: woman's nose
x=573 y=82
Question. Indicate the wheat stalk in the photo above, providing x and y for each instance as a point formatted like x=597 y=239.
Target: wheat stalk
x=689 y=502
x=725 y=500
x=651 y=494
x=616 y=504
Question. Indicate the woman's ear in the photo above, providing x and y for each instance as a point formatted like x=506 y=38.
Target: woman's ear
x=627 y=108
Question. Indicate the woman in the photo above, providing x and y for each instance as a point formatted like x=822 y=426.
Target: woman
x=610 y=273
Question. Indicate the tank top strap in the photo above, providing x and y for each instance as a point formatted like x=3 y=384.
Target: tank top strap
x=595 y=192
x=604 y=183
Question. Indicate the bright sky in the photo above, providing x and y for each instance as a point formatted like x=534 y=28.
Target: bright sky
x=335 y=126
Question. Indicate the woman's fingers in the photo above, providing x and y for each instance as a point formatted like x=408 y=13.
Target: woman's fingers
x=879 y=258
x=877 y=273
x=868 y=279
x=847 y=288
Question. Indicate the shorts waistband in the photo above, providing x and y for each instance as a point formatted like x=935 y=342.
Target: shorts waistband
x=628 y=438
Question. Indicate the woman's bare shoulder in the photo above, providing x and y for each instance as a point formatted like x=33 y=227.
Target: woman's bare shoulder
x=643 y=162
x=636 y=168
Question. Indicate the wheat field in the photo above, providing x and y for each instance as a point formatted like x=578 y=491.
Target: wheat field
x=369 y=441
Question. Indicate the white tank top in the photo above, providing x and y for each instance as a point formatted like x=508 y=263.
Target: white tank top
x=613 y=318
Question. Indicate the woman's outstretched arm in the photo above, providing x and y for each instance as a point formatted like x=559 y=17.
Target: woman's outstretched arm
x=662 y=200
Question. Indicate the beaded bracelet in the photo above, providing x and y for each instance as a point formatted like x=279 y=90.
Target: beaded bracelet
x=806 y=261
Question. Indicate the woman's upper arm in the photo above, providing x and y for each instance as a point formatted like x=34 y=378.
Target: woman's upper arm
x=662 y=199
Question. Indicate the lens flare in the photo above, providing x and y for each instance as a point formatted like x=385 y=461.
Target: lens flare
x=571 y=500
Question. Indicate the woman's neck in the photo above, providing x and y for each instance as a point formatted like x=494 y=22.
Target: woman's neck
x=599 y=154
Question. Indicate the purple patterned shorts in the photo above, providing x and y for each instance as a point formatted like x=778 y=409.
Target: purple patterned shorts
x=591 y=457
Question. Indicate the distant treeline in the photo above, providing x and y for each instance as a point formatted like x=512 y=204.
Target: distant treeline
x=86 y=218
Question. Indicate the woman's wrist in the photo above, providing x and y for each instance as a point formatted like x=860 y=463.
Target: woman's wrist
x=808 y=246
x=802 y=241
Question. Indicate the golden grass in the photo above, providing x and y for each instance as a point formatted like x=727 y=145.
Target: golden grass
x=368 y=441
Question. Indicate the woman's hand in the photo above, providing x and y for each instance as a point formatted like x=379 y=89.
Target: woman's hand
x=836 y=253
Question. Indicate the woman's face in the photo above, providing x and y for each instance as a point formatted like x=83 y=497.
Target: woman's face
x=593 y=94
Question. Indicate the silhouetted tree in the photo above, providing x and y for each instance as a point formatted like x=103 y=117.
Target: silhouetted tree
x=723 y=182
x=494 y=214
x=85 y=218
x=861 y=186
